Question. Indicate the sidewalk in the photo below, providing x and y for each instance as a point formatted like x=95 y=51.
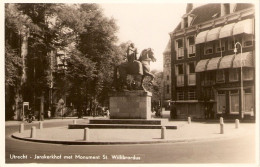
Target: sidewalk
x=196 y=131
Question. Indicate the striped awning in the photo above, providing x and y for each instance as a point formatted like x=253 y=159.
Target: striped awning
x=244 y=26
x=213 y=63
x=226 y=62
x=213 y=34
x=201 y=65
x=201 y=37
x=246 y=58
x=226 y=31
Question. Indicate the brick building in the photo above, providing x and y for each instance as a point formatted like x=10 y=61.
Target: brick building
x=205 y=71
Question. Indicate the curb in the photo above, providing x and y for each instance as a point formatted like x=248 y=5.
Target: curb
x=119 y=142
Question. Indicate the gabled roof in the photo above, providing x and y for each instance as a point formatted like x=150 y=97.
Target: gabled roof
x=210 y=11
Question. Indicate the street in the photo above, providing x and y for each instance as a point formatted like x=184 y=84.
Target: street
x=231 y=150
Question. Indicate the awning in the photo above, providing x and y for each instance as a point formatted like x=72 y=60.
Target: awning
x=226 y=31
x=246 y=58
x=201 y=37
x=245 y=26
x=213 y=34
x=226 y=61
x=213 y=63
x=201 y=65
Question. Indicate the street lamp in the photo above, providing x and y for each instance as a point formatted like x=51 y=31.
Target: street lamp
x=241 y=78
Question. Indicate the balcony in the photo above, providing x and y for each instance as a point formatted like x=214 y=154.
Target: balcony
x=180 y=80
x=191 y=79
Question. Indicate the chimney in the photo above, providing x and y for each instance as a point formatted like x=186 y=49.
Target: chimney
x=225 y=9
x=189 y=7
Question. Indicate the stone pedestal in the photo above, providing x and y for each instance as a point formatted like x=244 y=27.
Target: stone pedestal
x=130 y=105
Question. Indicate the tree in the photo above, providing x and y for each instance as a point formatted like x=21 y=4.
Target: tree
x=156 y=88
x=16 y=25
x=98 y=44
x=34 y=32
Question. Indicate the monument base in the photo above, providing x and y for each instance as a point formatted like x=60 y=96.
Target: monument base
x=130 y=105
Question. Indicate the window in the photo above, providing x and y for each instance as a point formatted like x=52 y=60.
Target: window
x=210 y=77
x=221 y=104
x=220 y=77
x=191 y=46
x=179 y=69
x=248 y=40
x=191 y=73
x=248 y=73
x=61 y=62
x=233 y=74
x=180 y=95
x=234 y=102
x=208 y=49
x=220 y=46
x=232 y=42
x=191 y=68
x=179 y=49
x=248 y=90
x=192 y=95
x=248 y=101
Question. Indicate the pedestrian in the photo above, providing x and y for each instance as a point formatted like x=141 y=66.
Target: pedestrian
x=108 y=114
x=49 y=113
x=173 y=112
x=206 y=111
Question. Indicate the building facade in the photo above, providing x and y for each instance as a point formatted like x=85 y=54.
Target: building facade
x=166 y=93
x=212 y=62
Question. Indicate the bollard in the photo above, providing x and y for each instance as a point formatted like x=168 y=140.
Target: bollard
x=222 y=128
x=189 y=120
x=86 y=134
x=74 y=121
x=221 y=121
x=21 y=129
x=163 y=132
x=33 y=132
x=237 y=123
x=40 y=125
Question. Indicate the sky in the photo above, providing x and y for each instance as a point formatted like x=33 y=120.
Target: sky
x=146 y=24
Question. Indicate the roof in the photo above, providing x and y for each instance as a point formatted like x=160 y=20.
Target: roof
x=199 y=12
x=242 y=6
x=168 y=48
x=213 y=11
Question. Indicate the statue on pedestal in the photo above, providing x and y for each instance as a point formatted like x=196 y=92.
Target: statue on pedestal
x=137 y=68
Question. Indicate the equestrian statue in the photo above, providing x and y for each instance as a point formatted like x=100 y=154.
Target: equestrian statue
x=138 y=68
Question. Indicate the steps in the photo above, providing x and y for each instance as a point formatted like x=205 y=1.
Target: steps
x=121 y=124
x=125 y=121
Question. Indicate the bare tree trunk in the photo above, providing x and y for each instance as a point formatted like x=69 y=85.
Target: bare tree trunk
x=24 y=53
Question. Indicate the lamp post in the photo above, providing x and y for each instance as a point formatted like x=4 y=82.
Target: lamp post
x=241 y=79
